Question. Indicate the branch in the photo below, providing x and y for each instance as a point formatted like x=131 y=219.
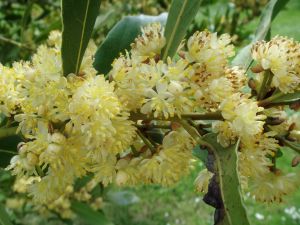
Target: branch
x=194 y=133
x=151 y=126
x=193 y=116
x=289 y=144
x=203 y=116
x=269 y=100
x=146 y=141
x=268 y=76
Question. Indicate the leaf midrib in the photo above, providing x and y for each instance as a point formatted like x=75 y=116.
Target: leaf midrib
x=81 y=38
x=174 y=30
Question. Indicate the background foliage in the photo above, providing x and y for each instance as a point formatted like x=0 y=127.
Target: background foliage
x=25 y=24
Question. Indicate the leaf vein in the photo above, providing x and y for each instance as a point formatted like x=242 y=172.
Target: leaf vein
x=81 y=38
x=174 y=30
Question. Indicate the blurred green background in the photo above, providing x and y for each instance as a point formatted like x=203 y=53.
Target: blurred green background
x=26 y=24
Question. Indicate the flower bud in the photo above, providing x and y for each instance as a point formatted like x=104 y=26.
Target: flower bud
x=257 y=69
x=22 y=150
x=32 y=159
x=58 y=138
x=69 y=189
x=54 y=148
x=20 y=145
x=122 y=163
x=252 y=84
x=41 y=110
x=175 y=87
x=296 y=161
x=121 y=178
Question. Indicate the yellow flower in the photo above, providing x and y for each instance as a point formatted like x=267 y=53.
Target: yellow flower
x=202 y=181
x=272 y=187
x=133 y=79
x=209 y=51
x=128 y=172
x=9 y=99
x=91 y=109
x=22 y=183
x=281 y=56
x=226 y=134
x=159 y=101
x=171 y=162
x=166 y=99
x=237 y=77
x=253 y=154
x=123 y=136
x=104 y=167
x=242 y=112
x=50 y=187
x=150 y=42
x=219 y=89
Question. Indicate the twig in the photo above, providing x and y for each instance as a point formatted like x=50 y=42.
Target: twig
x=195 y=135
x=150 y=126
x=268 y=76
x=192 y=116
x=289 y=144
x=203 y=116
x=269 y=100
x=18 y=44
x=8 y=152
x=146 y=141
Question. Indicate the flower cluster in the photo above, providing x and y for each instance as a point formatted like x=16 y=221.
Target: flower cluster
x=135 y=127
x=281 y=57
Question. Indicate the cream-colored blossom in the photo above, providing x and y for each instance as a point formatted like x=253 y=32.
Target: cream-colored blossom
x=210 y=51
x=243 y=113
x=82 y=124
x=9 y=99
x=253 y=154
x=150 y=42
x=281 y=57
x=202 y=181
x=159 y=101
x=104 y=167
x=171 y=162
x=226 y=135
x=272 y=187
x=92 y=108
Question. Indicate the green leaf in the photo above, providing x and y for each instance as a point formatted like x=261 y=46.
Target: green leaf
x=278 y=154
x=271 y=10
x=78 y=18
x=120 y=37
x=226 y=161
x=4 y=217
x=8 y=146
x=82 y=181
x=290 y=97
x=200 y=153
x=155 y=135
x=291 y=144
x=181 y=14
x=89 y=215
x=2 y=119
